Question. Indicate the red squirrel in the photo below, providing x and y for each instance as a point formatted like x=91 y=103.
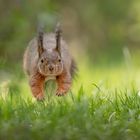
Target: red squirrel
x=47 y=57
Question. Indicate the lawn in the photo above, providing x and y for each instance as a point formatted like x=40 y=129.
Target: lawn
x=104 y=101
x=103 y=104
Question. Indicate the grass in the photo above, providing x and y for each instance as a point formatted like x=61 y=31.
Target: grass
x=104 y=104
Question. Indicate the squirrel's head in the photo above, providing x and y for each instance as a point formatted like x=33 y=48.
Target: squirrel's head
x=50 y=62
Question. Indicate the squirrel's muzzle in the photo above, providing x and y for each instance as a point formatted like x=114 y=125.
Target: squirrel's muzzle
x=51 y=68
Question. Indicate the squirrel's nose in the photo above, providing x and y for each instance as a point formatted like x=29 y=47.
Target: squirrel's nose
x=51 y=68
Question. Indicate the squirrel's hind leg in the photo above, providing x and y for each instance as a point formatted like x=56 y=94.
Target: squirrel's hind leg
x=37 y=85
x=64 y=83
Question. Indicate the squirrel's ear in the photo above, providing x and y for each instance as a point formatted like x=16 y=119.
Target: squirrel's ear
x=40 y=42
x=58 y=33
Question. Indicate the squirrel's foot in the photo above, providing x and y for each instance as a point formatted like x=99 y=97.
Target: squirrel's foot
x=40 y=97
x=61 y=92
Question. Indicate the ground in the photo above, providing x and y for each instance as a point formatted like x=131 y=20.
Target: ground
x=103 y=104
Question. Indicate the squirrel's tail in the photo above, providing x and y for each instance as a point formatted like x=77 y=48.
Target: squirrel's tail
x=73 y=69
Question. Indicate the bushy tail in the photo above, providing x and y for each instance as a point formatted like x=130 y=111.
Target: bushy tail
x=73 y=69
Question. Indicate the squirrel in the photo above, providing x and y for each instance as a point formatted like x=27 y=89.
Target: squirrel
x=47 y=57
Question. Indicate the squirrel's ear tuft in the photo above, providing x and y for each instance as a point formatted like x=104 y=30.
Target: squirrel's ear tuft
x=40 y=41
x=58 y=33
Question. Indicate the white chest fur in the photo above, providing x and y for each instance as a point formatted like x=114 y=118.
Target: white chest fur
x=50 y=78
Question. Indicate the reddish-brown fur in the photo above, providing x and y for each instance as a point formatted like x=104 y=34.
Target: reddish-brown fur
x=43 y=52
x=64 y=83
x=37 y=82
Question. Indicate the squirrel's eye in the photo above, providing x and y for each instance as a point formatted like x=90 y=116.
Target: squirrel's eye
x=42 y=60
x=59 y=60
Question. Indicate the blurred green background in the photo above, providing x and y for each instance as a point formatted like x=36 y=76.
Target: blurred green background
x=103 y=103
x=99 y=33
x=98 y=29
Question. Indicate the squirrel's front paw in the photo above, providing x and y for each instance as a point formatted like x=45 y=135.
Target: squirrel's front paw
x=61 y=92
x=40 y=97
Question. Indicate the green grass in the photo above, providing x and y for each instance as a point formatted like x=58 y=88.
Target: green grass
x=104 y=104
